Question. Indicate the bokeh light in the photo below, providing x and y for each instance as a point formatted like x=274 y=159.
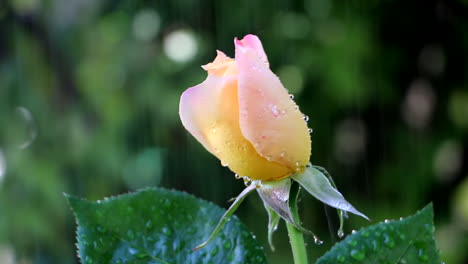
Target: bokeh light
x=146 y=24
x=180 y=45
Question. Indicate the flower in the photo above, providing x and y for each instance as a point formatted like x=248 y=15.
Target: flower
x=244 y=116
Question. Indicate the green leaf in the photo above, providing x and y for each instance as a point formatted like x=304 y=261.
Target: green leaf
x=159 y=226
x=409 y=240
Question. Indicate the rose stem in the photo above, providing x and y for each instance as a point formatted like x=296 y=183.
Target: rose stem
x=296 y=239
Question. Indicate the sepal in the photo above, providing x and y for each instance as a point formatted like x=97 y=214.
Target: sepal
x=318 y=185
x=226 y=215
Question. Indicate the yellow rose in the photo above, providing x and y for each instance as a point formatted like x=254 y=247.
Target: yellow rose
x=244 y=116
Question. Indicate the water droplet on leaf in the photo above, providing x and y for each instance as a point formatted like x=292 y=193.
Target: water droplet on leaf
x=388 y=241
x=357 y=254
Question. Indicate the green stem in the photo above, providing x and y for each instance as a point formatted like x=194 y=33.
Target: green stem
x=297 y=244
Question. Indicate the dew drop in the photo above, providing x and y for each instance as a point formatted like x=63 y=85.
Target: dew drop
x=268 y=158
x=215 y=251
x=310 y=130
x=224 y=164
x=306 y=118
x=132 y=251
x=227 y=244
x=317 y=241
x=149 y=224
x=386 y=221
x=375 y=245
x=402 y=236
x=296 y=107
x=141 y=254
x=388 y=241
x=357 y=254
x=422 y=255
x=340 y=233
x=166 y=231
x=291 y=96
x=101 y=229
x=247 y=180
x=283 y=154
x=130 y=234
x=274 y=110
x=237 y=176
x=283 y=112
x=258 y=184
x=353 y=231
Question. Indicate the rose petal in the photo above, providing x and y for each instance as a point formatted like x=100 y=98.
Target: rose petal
x=221 y=66
x=269 y=118
x=210 y=112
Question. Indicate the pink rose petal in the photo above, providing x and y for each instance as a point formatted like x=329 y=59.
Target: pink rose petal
x=269 y=118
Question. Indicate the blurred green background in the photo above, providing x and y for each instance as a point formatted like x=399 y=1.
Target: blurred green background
x=89 y=95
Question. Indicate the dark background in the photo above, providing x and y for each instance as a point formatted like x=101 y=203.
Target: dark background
x=89 y=95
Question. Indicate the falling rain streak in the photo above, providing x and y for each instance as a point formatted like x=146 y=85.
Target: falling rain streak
x=29 y=120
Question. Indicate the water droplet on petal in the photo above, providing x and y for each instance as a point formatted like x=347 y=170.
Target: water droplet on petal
x=283 y=154
x=247 y=180
x=224 y=164
x=258 y=183
x=353 y=231
x=310 y=130
x=237 y=176
x=291 y=96
x=306 y=118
